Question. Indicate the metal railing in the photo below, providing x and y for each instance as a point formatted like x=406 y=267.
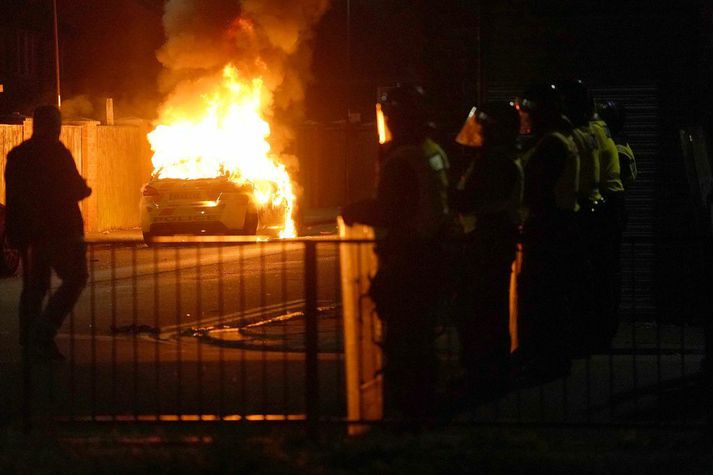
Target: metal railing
x=252 y=331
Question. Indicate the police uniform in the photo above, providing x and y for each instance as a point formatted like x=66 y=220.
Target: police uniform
x=488 y=199
x=608 y=267
x=609 y=158
x=550 y=255
x=589 y=170
x=410 y=214
x=590 y=298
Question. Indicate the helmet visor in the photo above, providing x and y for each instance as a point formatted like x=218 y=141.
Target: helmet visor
x=381 y=125
x=471 y=134
x=523 y=108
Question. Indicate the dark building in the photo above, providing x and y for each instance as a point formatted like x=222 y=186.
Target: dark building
x=107 y=49
x=657 y=59
x=26 y=54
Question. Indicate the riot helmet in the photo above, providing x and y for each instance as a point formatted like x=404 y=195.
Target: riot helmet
x=613 y=114
x=401 y=112
x=495 y=124
x=541 y=108
x=577 y=104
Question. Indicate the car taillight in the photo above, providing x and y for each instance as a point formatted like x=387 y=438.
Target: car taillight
x=150 y=191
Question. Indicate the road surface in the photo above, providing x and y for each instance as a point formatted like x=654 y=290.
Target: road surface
x=144 y=337
x=182 y=331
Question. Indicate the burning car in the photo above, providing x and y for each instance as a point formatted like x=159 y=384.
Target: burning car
x=214 y=169
x=206 y=206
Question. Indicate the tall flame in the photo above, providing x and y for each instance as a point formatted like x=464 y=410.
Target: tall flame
x=228 y=137
x=382 y=129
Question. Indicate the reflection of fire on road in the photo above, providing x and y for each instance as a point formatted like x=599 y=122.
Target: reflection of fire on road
x=234 y=87
x=283 y=332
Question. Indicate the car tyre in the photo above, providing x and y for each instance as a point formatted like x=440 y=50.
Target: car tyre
x=148 y=239
x=251 y=222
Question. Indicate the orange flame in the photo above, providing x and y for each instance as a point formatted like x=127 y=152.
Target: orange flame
x=229 y=137
x=383 y=131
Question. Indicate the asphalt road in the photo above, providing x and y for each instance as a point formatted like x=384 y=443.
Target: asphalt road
x=185 y=331
x=157 y=330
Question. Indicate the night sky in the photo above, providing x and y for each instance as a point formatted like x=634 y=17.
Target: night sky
x=109 y=49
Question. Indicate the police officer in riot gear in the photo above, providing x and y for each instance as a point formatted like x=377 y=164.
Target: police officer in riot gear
x=613 y=114
x=488 y=199
x=578 y=107
x=550 y=239
x=618 y=171
x=410 y=214
x=594 y=292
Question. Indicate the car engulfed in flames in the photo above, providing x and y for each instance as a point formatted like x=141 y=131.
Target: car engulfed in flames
x=206 y=206
x=214 y=168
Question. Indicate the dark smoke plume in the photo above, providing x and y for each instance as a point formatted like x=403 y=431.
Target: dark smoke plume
x=266 y=38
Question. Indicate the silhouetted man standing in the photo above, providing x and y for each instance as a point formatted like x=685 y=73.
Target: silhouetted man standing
x=43 y=188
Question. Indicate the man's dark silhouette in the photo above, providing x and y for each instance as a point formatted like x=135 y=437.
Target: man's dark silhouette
x=43 y=188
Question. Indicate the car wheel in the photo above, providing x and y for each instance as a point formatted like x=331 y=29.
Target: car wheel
x=9 y=259
x=251 y=221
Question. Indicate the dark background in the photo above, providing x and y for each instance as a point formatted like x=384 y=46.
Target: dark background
x=108 y=49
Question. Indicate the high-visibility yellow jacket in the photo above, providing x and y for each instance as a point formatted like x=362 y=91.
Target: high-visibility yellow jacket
x=610 y=171
x=589 y=166
x=551 y=174
x=411 y=200
x=627 y=162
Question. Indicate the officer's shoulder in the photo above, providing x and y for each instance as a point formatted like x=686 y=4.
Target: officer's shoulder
x=404 y=152
x=599 y=126
x=437 y=158
x=405 y=155
x=555 y=141
x=399 y=160
x=431 y=145
x=597 y=123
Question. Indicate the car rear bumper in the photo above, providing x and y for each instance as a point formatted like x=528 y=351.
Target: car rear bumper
x=198 y=228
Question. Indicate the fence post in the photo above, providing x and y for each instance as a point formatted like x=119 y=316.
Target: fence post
x=27 y=393
x=311 y=341
x=89 y=164
x=707 y=364
x=708 y=372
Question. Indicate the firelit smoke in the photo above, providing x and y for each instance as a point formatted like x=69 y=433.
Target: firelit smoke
x=270 y=39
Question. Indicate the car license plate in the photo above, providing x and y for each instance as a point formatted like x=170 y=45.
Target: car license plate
x=185 y=195
x=182 y=219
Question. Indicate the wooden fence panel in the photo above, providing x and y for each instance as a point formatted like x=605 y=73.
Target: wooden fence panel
x=10 y=136
x=123 y=166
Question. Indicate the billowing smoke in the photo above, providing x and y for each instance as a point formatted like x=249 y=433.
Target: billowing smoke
x=266 y=38
x=108 y=50
x=78 y=107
